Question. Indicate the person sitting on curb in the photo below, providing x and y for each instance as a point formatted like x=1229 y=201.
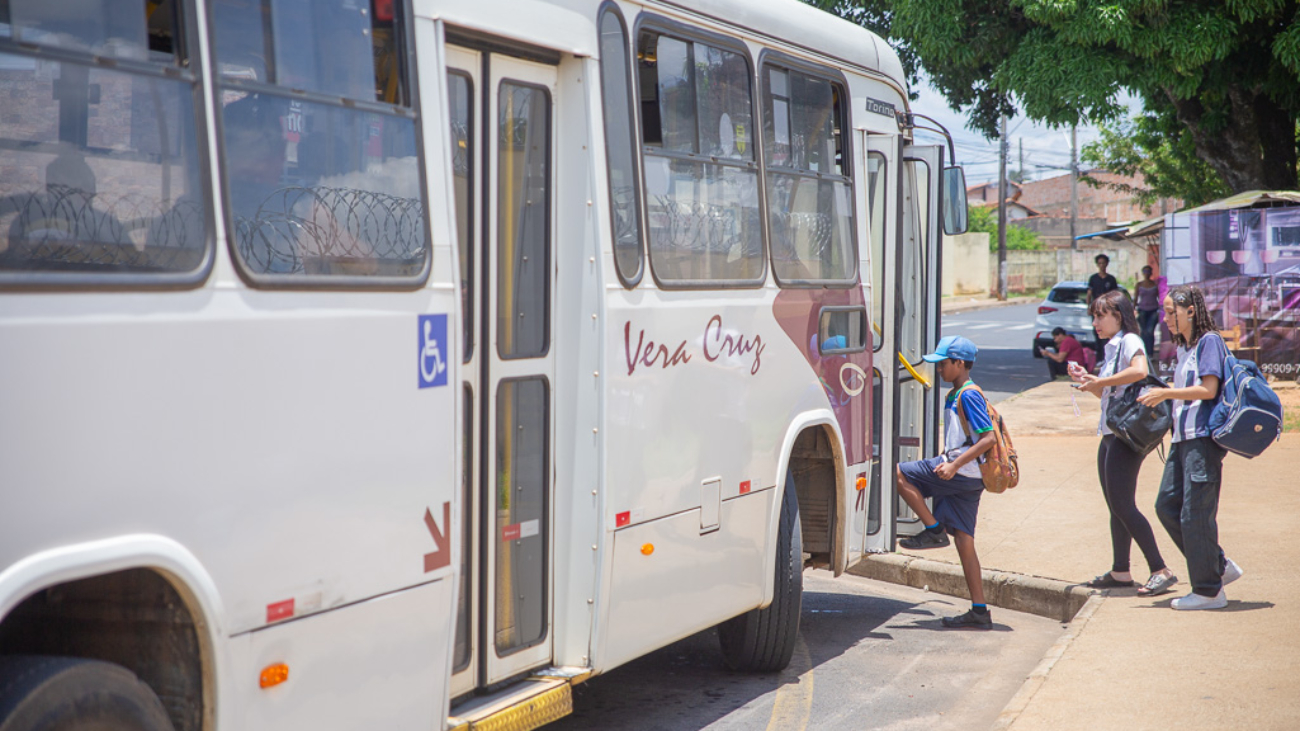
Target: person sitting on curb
x=1068 y=350
x=952 y=479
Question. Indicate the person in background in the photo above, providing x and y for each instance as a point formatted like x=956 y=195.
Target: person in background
x=1117 y=463
x=1148 y=308
x=1068 y=350
x=953 y=478
x=1101 y=282
x=1188 y=500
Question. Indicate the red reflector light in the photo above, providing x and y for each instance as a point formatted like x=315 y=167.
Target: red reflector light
x=384 y=10
x=744 y=487
x=1044 y=310
x=279 y=610
x=622 y=518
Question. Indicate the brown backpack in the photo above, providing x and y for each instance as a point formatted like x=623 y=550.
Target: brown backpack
x=999 y=467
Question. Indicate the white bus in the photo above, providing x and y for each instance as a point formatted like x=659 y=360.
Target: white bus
x=367 y=363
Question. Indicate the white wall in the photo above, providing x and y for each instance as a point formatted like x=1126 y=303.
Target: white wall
x=966 y=264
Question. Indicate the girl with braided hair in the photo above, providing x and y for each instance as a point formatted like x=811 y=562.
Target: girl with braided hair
x=1188 y=501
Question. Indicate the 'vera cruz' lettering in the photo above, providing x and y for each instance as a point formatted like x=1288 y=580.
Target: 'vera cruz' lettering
x=648 y=354
x=716 y=344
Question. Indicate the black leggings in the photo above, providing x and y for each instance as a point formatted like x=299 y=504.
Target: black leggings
x=1117 y=466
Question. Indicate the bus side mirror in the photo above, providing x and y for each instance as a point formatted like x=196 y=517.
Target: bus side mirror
x=954 y=201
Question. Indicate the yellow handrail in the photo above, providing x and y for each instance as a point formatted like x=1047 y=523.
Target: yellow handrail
x=912 y=370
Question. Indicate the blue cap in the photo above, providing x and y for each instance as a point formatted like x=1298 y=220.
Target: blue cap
x=953 y=346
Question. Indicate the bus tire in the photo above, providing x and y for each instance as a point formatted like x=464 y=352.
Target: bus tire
x=763 y=640
x=45 y=693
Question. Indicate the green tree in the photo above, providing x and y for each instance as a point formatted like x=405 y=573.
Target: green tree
x=1226 y=72
x=985 y=220
x=1157 y=148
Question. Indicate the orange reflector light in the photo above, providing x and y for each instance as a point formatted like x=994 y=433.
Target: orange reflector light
x=647 y=549
x=274 y=675
x=862 y=482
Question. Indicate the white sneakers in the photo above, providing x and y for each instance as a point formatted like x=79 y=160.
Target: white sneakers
x=1231 y=572
x=1196 y=601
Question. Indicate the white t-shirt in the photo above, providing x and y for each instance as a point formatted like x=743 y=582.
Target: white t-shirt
x=1119 y=355
x=955 y=439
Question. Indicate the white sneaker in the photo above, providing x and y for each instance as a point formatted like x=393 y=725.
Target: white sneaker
x=1231 y=571
x=1196 y=601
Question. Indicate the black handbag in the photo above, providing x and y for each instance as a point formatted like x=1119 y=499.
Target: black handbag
x=1141 y=427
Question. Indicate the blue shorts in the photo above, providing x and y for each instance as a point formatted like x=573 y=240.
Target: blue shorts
x=956 y=501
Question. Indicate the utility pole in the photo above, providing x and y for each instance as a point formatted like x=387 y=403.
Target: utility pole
x=1074 y=184
x=1002 y=208
x=1022 y=163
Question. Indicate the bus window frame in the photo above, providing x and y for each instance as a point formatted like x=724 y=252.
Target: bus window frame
x=634 y=122
x=187 y=68
x=923 y=250
x=877 y=293
x=493 y=178
x=470 y=310
x=864 y=335
x=410 y=69
x=652 y=23
x=770 y=57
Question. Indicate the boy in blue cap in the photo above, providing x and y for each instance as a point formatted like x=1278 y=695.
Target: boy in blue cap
x=952 y=479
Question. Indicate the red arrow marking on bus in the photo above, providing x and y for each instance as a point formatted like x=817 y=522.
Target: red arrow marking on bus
x=441 y=557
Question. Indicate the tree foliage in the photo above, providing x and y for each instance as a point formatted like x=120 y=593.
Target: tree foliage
x=1158 y=151
x=1225 y=72
x=985 y=220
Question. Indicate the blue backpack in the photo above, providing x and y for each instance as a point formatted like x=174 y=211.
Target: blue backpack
x=1248 y=415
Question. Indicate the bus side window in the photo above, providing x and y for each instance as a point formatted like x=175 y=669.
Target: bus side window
x=620 y=145
x=810 y=196
x=701 y=182
x=319 y=143
x=103 y=173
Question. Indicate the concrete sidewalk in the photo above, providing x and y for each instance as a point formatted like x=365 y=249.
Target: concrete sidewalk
x=1128 y=662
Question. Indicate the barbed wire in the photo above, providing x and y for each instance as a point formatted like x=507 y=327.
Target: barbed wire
x=295 y=230
x=306 y=229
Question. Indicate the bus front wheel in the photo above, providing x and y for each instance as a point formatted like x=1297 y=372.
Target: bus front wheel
x=41 y=693
x=762 y=640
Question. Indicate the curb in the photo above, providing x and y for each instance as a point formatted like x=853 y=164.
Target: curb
x=958 y=308
x=1020 y=701
x=1049 y=598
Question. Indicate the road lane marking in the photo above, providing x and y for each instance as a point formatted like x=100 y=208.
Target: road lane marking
x=793 y=705
x=986 y=326
x=1030 y=326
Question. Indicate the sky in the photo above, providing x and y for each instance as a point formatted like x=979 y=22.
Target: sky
x=1046 y=150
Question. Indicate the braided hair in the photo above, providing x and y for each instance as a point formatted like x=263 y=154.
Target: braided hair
x=1189 y=296
x=1117 y=303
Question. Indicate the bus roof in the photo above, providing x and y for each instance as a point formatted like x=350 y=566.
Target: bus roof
x=570 y=26
x=800 y=24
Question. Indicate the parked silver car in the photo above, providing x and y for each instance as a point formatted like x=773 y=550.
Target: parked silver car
x=1066 y=306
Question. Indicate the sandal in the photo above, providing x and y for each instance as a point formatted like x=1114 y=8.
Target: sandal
x=1107 y=581
x=1158 y=584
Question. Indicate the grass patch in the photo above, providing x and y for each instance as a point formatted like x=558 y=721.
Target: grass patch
x=1289 y=395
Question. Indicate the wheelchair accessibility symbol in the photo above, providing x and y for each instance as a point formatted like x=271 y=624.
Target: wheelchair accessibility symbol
x=433 y=345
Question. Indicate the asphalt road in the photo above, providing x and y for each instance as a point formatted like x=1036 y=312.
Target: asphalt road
x=1004 y=335
x=871 y=655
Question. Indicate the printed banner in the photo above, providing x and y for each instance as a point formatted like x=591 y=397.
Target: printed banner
x=1248 y=263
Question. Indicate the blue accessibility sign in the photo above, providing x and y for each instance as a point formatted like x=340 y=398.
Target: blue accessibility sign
x=433 y=349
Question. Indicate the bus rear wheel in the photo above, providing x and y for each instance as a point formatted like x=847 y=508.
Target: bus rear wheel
x=42 y=693
x=762 y=640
